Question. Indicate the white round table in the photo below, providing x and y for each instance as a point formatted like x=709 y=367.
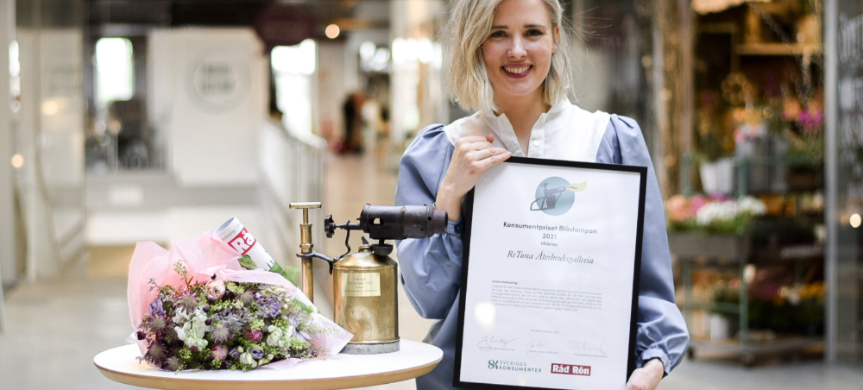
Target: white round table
x=338 y=372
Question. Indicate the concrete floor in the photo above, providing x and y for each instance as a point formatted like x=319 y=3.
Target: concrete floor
x=56 y=327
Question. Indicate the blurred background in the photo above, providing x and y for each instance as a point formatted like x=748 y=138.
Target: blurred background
x=134 y=120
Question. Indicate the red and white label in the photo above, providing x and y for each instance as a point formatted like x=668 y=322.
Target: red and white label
x=243 y=242
x=570 y=369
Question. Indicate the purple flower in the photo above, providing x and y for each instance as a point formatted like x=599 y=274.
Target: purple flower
x=157 y=324
x=270 y=308
x=254 y=335
x=234 y=353
x=811 y=120
x=247 y=298
x=141 y=335
x=156 y=308
x=188 y=302
x=173 y=363
x=220 y=333
x=156 y=351
x=257 y=354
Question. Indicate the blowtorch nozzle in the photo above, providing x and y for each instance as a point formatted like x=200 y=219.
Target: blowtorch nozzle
x=400 y=222
x=394 y=222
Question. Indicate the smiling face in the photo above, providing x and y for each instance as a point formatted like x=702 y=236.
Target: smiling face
x=518 y=49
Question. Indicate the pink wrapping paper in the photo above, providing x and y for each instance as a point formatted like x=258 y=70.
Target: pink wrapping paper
x=206 y=256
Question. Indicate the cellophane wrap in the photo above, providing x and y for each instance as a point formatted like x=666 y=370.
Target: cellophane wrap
x=204 y=257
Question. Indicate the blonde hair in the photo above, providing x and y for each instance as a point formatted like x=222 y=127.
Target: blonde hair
x=469 y=25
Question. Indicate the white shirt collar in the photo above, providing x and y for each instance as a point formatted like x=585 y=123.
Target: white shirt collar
x=565 y=132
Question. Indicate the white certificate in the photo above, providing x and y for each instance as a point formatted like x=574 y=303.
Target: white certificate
x=552 y=253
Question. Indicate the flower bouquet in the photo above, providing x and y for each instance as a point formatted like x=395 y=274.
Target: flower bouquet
x=195 y=307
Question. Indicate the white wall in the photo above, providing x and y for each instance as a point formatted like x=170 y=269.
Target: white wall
x=51 y=141
x=207 y=98
x=7 y=205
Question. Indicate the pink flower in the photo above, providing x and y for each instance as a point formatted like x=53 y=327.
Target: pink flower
x=678 y=208
x=718 y=197
x=216 y=288
x=254 y=335
x=696 y=203
x=219 y=352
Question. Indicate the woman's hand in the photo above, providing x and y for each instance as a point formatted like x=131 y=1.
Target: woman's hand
x=472 y=157
x=647 y=377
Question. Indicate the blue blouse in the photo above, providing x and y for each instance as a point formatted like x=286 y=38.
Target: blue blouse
x=431 y=267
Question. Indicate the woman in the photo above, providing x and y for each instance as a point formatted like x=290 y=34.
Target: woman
x=507 y=61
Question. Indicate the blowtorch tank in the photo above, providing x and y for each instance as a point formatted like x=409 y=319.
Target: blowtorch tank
x=367 y=283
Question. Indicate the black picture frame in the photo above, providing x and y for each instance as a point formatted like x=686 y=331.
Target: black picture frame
x=466 y=239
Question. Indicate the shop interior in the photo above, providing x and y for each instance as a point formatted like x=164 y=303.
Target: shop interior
x=135 y=121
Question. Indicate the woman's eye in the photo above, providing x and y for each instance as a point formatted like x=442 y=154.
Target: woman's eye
x=498 y=34
x=534 y=33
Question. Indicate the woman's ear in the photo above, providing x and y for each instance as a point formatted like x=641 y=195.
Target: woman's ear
x=556 y=39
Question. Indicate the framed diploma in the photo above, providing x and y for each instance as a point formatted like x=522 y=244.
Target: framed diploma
x=549 y=290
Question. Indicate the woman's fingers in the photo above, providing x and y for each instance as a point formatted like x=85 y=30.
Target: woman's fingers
x=474 y=143
x=481 y=161
x=494 y=160
x=482 y=154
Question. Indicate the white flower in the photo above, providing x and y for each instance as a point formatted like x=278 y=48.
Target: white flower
x=275 y=336
x=246 y=358
x=181 y=332
x=751 y=205
x=716 y=211
x=180 y=317
x=194 y=329
x=279 y=337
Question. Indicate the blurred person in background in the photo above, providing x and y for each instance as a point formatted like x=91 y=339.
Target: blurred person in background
x=508 y=61
x=352 y=111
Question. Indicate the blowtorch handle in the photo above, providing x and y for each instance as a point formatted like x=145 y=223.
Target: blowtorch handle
x=305 y=205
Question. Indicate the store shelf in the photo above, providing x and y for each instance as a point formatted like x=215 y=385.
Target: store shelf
x=730 y=308
x=750 y=350
x=778 y=49
x=704 y=251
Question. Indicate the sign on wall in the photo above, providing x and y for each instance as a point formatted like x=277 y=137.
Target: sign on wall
x=218 y=83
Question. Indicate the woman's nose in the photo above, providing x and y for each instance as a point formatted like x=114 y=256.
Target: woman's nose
x=516 y=49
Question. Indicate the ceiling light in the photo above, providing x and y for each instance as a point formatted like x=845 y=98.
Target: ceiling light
x=17 y=161
x=332 y=31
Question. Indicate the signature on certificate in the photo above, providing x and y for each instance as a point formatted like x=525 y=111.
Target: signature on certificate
x=533 y=348
x=487 y=343
x=588 y=346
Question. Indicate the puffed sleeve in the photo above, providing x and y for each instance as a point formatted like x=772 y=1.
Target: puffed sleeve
x=661 y=330
x=430 y=267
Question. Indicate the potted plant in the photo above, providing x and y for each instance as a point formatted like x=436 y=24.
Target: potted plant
x=715 y=145
x=724 y=324
x=803 y=124
x=714 y=225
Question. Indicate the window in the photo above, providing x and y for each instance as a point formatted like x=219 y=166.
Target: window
x=115 y=72
x=293 y=67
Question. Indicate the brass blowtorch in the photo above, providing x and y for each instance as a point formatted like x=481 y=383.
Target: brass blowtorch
x=365 y=283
